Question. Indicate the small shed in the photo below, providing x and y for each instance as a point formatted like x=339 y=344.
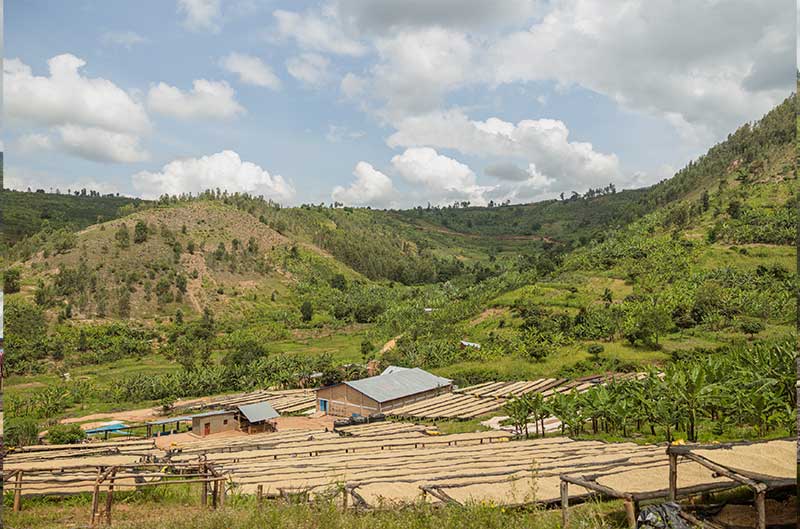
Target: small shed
x=256 y=417
x=213 y=422
x=395 y=387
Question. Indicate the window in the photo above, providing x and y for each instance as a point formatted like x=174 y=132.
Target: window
x=225 y=421
x=323 y=405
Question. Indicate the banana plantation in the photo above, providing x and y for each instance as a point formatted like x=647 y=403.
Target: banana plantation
x=750 y=385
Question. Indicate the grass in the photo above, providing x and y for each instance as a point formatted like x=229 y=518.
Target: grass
x=344 y=344
x=180 y=509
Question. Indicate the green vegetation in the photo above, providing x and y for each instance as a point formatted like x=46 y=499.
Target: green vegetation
x=735 y=388
x=176 y=507
x=189 y=296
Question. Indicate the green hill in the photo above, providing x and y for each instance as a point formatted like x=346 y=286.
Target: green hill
x=233 y=292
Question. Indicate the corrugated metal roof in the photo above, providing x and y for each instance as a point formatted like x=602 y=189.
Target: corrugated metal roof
x=398 y=382
x=170 y=419
x=259 y=411
x=210 y=413
x=393 y=369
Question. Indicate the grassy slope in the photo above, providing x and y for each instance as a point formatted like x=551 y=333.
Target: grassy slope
x=220 y=287
x=770 y=184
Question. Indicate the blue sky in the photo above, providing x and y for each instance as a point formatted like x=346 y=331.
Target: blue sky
x=383 y=103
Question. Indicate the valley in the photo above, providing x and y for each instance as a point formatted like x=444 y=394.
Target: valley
x=115 y=304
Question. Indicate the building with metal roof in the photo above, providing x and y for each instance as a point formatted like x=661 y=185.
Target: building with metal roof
x=250 y=418
x=395 y=387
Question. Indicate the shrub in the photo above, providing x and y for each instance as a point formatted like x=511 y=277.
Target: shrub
x=140 y=232
x=306 y=311
x=11 y=281
x=21 y=431
x=61 y=434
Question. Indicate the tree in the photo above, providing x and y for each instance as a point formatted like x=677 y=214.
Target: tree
x=595 y=351
x=122 y=236
x=366 y=350
x=179 y=317
x=180 y=283
x=705 y=201
x=339 y=282
x=11 y=280
x=140 y=232
x=519 y=411
x=306 y=311
x=751 y=327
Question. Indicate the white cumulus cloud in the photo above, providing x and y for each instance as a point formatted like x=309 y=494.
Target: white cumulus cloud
x=543 y=142
x=418 y=68
x=223 y=169
x=371 y=187
x=201 y=15
x=317 y=31
x=206 y=99
x=708 y=65
x=439 y=178
x=68 y=97
x=101 y=145
x=251 y=70
x=93 y=118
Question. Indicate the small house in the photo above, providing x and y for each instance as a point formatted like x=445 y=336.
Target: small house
x=395 y=387
x=256 y=417
x=213 y=422
x=249 y=418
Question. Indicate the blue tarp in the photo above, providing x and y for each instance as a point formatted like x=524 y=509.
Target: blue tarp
x=107 y=428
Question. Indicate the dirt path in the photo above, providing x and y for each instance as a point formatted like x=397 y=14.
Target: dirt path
x=195 y=285
x=391 y=344
x=483 y=316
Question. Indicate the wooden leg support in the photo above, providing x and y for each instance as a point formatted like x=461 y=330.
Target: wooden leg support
x=110 y=497
x=630 y=512
x=204 y=492
x=564 y=504
x=18 y=492
x=761 y=510
x=673 y=477
x=260 y=496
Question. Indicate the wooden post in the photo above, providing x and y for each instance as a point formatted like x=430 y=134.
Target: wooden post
x=96 y=495
x=260 y=495
x=221 y=491
x=630 y=512
x=673 y=477
x=214 y=494
x=761 y=510
x=564 y=504
x=18 y=492
x=204 y=493
x=110 y=496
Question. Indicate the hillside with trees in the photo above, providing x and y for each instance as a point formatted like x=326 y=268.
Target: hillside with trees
x=188 y=296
